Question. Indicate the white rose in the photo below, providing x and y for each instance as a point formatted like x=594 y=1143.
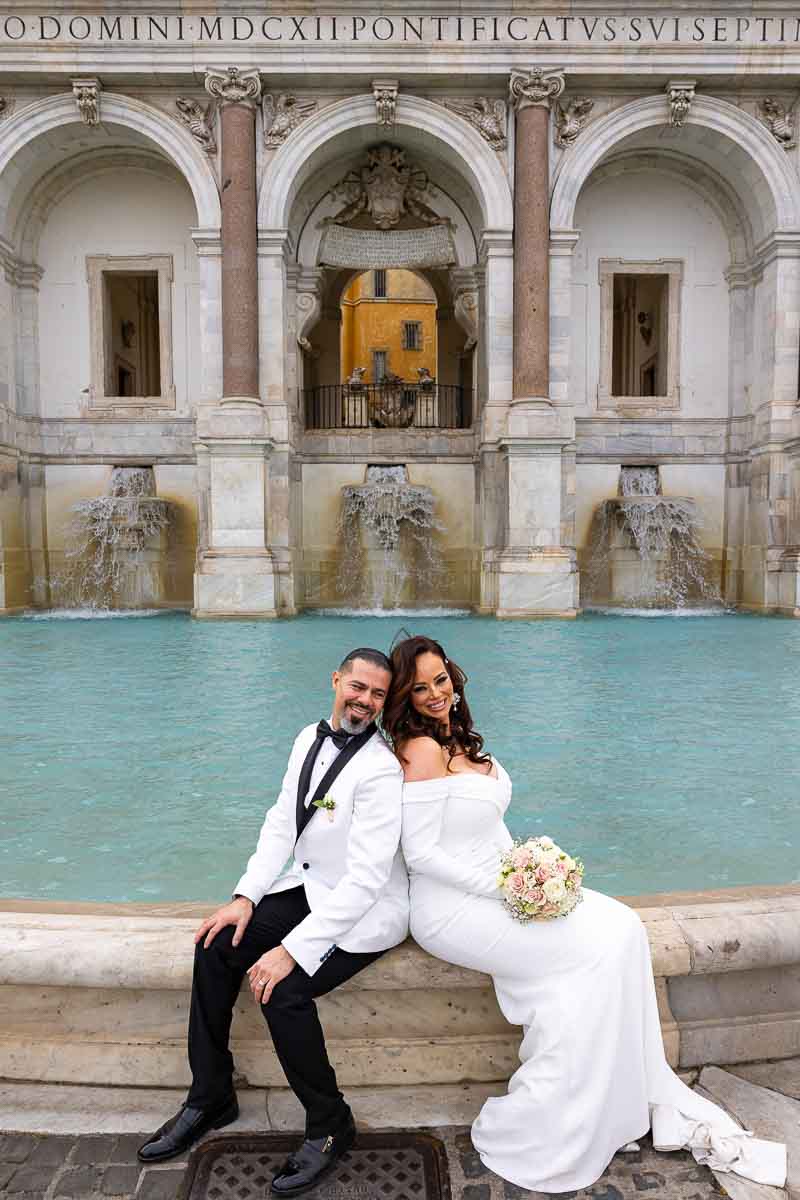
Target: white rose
x=546 y=842
x=554 y=890
x=551 y=855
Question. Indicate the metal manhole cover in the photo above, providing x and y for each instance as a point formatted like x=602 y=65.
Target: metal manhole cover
x=381 y=1166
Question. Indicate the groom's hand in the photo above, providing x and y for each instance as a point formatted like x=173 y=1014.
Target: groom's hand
x=237 y=913
x=267 y=972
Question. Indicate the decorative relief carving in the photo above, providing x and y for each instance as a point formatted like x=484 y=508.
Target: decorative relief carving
x=308 y=309
x=199 y=121
x=680 y=94
x=234 y=86
x=386 y=188
x=537 y=87
x=570 y=119
x=282 y=114
x=779 y=120
x=465 y=311
x=6 y=107
x=385 y=93
x=487 y=116
x=87 y=96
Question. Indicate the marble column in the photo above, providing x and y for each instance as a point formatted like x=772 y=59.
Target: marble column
x=534 y=574
x=532 y=93
x=236 y=574
x=238 y=92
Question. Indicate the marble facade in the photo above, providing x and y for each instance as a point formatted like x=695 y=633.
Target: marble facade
x=559 y=150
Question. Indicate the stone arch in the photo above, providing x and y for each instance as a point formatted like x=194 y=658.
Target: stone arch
x=20 y=135
x=449 y=136
x=74 y=172
x=707 y=184
x=741 y=151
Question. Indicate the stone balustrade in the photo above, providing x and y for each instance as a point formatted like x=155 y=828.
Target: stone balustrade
x=101 y=996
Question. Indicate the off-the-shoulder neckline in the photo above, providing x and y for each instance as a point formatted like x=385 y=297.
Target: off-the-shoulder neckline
x=498 y=778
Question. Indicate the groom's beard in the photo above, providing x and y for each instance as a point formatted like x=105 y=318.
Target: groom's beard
x=351 y=723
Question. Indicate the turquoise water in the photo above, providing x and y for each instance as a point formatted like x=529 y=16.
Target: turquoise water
x=137 y=756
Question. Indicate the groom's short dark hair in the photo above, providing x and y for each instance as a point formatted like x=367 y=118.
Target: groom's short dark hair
x=366 y=654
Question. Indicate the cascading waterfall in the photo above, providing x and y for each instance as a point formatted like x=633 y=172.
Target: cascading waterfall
x=110 y=557
x=390 y=556
x=645 y=549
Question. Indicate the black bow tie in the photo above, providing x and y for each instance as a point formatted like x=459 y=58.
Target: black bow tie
x=339 y=737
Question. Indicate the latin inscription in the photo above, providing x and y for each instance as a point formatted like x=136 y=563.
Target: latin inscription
x=366 y=249
x=646 y=28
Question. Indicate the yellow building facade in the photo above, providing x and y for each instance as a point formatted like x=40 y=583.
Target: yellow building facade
x=388 y=326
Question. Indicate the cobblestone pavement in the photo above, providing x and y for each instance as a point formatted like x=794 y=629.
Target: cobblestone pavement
x=35 y=1167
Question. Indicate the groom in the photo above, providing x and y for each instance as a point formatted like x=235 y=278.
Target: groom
x=342 y=902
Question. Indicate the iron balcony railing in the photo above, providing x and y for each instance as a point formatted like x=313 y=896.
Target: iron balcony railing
x=387 y=406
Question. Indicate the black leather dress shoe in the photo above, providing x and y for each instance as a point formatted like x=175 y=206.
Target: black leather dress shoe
x=185 y=1128
x=303 y=1169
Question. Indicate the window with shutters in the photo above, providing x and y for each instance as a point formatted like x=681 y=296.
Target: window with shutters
x=412 y=335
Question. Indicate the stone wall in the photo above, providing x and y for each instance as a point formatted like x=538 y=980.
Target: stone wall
x=100 y=996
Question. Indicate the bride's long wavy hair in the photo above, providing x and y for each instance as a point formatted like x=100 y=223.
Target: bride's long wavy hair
x=401 y=720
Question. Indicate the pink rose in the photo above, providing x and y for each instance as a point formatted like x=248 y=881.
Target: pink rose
x=515 y=884
x=533 y=896
x=543 y=873
x=562 y=868
x=521 y=857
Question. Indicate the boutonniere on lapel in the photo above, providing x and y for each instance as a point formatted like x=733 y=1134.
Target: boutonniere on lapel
x=328 y=803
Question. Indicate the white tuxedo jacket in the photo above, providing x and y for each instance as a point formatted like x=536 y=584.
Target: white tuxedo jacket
x=352 y=869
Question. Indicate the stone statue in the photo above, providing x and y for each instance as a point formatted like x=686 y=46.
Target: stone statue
x=386 y=188
x=355 y=381
x=391 y=405
x=425 y=379
x=487 y=116
x=282 y=114
x=199 y=121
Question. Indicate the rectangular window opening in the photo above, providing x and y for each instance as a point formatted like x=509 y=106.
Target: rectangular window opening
x=412 y=335
x=379 y=284
x=639 y=335
x=131 y=333
x=379 y=365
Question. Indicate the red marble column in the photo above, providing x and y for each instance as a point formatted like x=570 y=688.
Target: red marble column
x=532 y=92
x=238 y=92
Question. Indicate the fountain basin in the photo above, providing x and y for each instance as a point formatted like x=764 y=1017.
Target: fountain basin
x=100 y=996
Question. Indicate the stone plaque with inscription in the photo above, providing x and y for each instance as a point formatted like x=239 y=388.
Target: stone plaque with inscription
x=366 y=249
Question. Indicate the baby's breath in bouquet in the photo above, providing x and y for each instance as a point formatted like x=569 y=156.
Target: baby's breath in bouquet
x=539 y=880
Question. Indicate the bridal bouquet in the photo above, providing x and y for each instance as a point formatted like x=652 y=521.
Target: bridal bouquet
x=539 y=880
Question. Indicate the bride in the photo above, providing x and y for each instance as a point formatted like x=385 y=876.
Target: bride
x=593 y=1075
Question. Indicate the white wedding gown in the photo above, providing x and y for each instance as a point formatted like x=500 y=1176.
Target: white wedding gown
x=593 y=1074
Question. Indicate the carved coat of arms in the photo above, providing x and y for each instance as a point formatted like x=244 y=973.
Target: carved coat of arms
x=386 y=188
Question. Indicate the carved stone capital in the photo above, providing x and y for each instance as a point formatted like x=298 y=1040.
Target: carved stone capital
x=234 y=86
x=485 y=115
x=680 y=94
x=537 y=87
x=87 y=95
x=385 y=93
x=779 y=120
x=6 y=107
x=199 y=121
x=570 y=119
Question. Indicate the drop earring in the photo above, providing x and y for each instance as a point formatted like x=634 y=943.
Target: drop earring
x=456 y=699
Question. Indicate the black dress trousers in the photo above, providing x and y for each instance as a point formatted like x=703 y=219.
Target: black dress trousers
x=291 y=1013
